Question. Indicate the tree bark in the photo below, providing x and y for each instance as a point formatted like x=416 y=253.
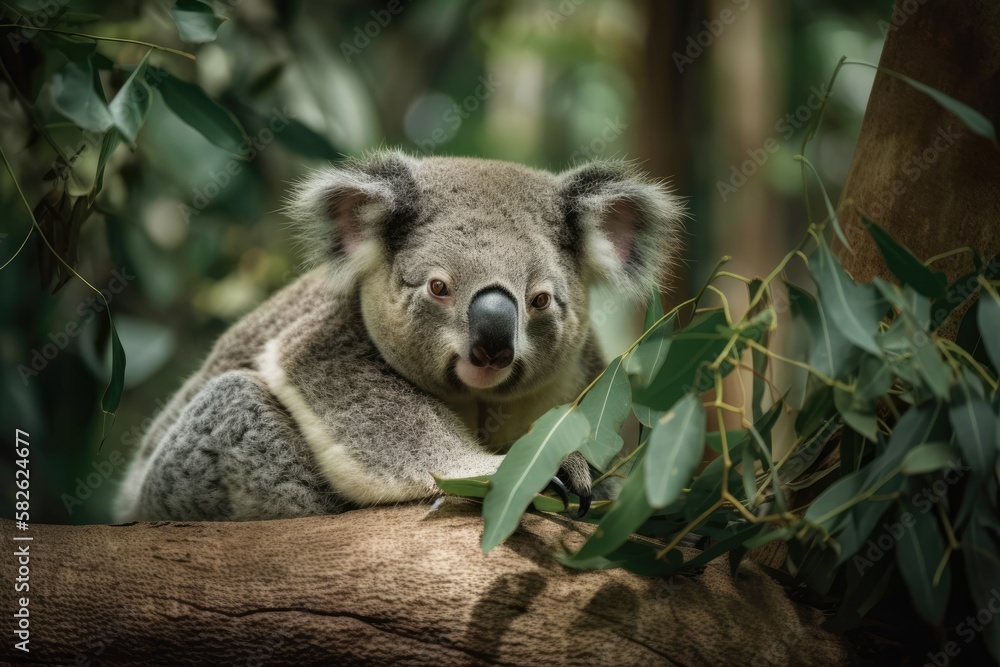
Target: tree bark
x=917 y=170
x=401 y=585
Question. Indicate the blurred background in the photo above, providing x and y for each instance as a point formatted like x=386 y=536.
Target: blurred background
x=185 y=237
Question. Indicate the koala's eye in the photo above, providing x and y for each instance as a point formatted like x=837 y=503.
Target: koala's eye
x=541 y=301
x=437 y=287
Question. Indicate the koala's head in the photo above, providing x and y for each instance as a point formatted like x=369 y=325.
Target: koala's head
x=473 y=274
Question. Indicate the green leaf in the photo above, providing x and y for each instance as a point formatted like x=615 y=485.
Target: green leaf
x=988 y=319
x=108 y=146
x=819 y=409
x=836 y=499
x=910 y=270
x=131 y=104
x=629 y=511
x=646 y=416
x=733 y=437
x=528 y=467
x=856 y=414
x=748 y=473
x=874 y=381
x=973 y=119
x=78 y=95
x=855 y=526
x=975 y=428
x=113 y=394
x=606 y=406
x=647 y=359
x=696 y=345
x=909 y=345
x=195 y=108
x=918 y=553
x=740 y=536
x=913 y=428
x=674 y=451
x=980 y=546
x=853 y=309
x=929 y=457
x=467 y=487
x=831 y=211
x=758 y=357
x=196 y=21
x=289 y=132
x=830 y=352
x=637 y=557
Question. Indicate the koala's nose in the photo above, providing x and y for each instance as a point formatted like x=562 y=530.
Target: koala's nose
x=492 y=326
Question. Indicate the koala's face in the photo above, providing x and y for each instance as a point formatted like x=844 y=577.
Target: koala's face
x=474 y=274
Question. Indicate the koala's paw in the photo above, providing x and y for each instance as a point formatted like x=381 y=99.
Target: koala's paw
x=574 y=473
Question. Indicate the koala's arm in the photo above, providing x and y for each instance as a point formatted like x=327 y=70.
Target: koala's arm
x=375 y=437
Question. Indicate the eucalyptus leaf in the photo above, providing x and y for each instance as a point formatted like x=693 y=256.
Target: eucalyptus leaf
x=857 y=415
x=975 y=428
x=113 y=394
x=110 y=142
x=739 y=537
x=131 y=104
x=973 y=119
x=919 y=551
x=691 y=348
x=78 y=95
x=196 y=21
x=467 y=487
x=988 y=318
x=981 y=551
x=674 y=451
x=757 y=356
x=647 y=359
x=910 y=270
x=606 y=406
x=929 y=457
x=629 y=511
x=528 y=467
x=197 y=109
x=853 y=309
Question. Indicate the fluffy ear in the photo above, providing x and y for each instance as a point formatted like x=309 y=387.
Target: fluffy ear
x=350 y=214
x=626 y=226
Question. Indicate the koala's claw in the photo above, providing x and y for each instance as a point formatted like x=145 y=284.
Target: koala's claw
x=557 y=485
x=585 y=499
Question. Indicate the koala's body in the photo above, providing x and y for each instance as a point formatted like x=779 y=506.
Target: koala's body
x=447 y=311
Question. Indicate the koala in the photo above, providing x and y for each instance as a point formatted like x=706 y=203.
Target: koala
x=446 y=310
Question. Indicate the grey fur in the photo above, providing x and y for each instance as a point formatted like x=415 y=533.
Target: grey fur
x=343 y=389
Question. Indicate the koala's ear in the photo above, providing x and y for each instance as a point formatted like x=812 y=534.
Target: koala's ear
x=350 y=215
x=626 y=226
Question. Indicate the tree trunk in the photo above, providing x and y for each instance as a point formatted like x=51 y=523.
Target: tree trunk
x=918 y=171
x=389 y=585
